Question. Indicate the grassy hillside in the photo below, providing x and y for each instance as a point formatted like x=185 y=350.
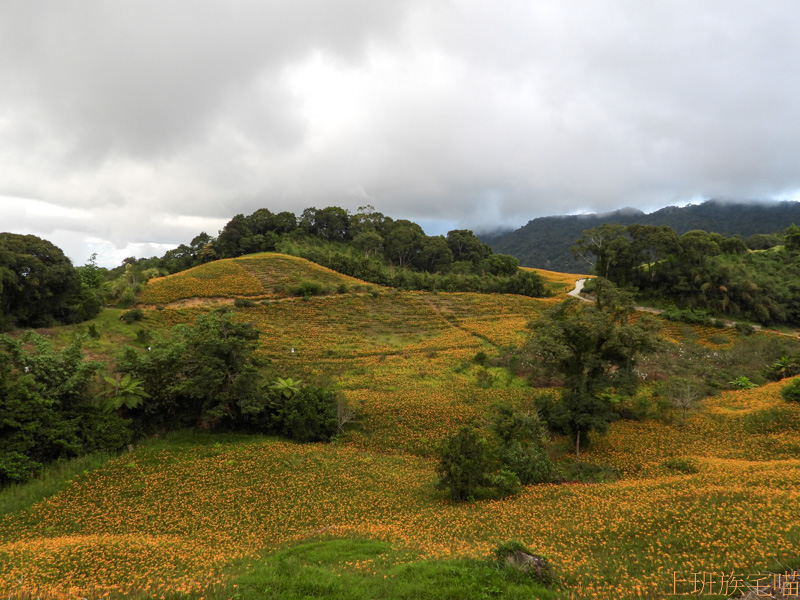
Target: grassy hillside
x=221 y=516
x=255 y=276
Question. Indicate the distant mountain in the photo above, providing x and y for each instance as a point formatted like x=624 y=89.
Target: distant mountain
x=544 y=242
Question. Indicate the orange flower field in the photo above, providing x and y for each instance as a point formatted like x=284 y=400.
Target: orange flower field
x=249 y=276
x=174 y=518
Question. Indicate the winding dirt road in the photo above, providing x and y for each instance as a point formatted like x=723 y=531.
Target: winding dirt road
x=576 y=293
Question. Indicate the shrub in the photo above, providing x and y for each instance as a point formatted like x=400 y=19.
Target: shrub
x=127 y=298
x=133 y=315
x=528 y=461
x=742 y=383
x=17 y=467
x=465 y=464
x=48 y=406
x=791 y=391
x=143 y=336
x=307 y=288
x=681 y=465
x=243 y=302
x=505 y=483
x=485 y=378
x=309 y=415
x=480 y=358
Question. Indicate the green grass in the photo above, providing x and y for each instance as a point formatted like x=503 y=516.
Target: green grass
x=223 y=515
x=354 y=569
x=113 y=333
x=53 y=479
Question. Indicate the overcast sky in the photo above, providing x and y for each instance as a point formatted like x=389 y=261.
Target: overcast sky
x=126 y=128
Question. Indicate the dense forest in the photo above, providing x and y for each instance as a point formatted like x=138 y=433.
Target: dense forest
x=545 y=242
x=700 y=270
x=39 y=285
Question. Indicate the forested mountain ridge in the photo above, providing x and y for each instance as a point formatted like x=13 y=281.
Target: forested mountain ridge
x=544 y=242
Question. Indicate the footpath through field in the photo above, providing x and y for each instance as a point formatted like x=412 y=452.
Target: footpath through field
x=577 y=292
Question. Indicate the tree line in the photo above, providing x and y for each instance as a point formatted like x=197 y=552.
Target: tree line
x=545 y=242
x=55 y=403
x=700 y=270
x=367 y=245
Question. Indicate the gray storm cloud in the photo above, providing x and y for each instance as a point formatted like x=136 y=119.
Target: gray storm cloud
x=155 y=117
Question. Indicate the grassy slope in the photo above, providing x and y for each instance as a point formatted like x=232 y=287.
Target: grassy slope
x=187 y=515
x=255 y=275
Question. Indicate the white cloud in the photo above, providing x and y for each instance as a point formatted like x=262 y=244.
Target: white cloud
x=159 y=120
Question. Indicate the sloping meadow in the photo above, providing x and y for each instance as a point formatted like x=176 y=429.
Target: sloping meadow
x=176 y=517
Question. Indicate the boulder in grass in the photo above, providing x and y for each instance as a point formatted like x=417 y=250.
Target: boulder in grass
x=514 y=555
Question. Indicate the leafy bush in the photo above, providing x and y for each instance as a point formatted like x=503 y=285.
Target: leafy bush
x=307 y=288
x=308 y=415
x=480 y=358
x=204 y=375
x=473 y=464
x=791 y=391
x=528 y=461
x=688 y=316
x=127 y=298
x=485 y=378
x=681 y=465
x=465 y=464
x=47 y=407
x=143 y=336
x=243 y=302
x=133 y=315
x=742 y=383
x=505 y=483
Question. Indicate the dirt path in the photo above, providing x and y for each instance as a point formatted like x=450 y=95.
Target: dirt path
x=578 y=290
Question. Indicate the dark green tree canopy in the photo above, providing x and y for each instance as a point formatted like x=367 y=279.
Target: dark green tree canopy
x=404 y=241
x=465 y=246
x=465 y=464
x=367 y=245
x=593 y=351
x=699 y=270
x=39 y=285
x=47 y=408
x=205 y=374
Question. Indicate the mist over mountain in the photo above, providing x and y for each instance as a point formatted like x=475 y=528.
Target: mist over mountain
x=544 y=242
